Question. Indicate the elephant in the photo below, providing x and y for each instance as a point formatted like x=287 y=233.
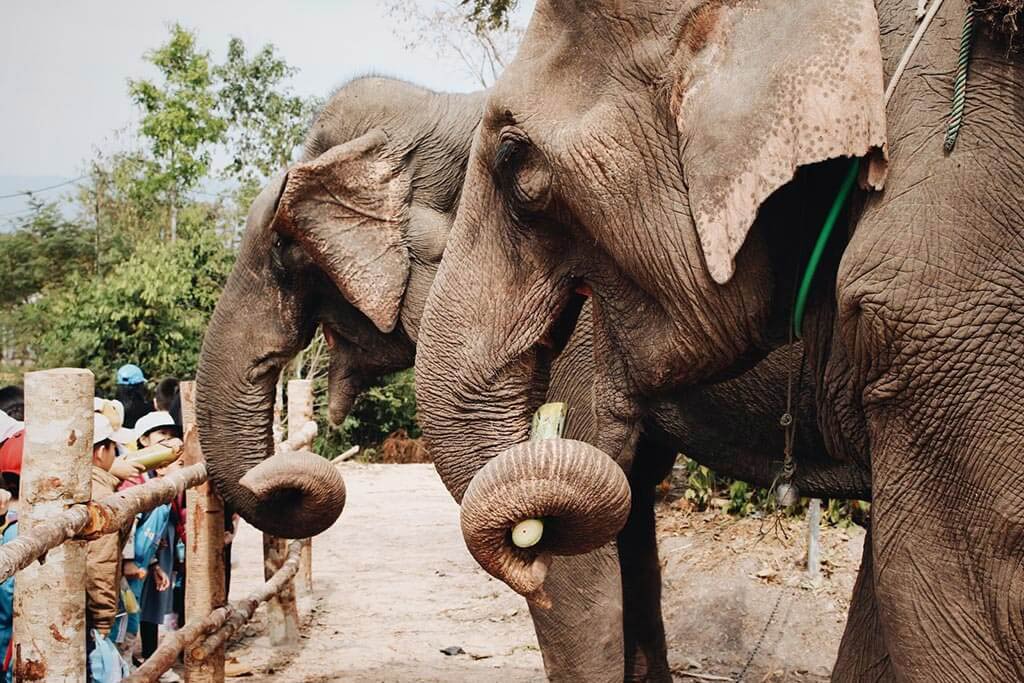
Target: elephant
x=349 y=239
x=293 y=274
x=672 y=163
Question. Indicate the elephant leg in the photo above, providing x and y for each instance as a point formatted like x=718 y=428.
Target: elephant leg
x=580 y=635
x=862 y=652
x=644 y=631
x=947 y=544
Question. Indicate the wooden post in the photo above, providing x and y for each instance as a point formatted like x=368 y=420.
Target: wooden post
x=49 y=600
x=814 y=539
x=300 y=411
x=282 y=615
x=204 y=551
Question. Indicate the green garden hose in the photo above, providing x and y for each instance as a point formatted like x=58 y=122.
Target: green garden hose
x=819 y=247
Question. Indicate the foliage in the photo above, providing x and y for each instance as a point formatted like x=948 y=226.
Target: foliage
x=700 y=484
x=151 y=309
x=703 y=489
x=179 y=118
x=265 y=120
x=745 y=499
x=378 y=412
x=492 y=13
x=452 y=29
x=45 y=249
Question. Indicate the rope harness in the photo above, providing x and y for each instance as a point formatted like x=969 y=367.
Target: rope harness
x=956 y=117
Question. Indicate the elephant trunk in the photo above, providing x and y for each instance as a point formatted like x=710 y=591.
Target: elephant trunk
x=248 y=342
x=578 y=494
x=478 y=430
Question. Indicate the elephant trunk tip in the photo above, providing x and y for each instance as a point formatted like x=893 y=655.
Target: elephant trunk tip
x=538 y=499
x=298 y=494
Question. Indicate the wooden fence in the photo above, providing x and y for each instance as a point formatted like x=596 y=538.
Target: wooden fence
x=57 y=517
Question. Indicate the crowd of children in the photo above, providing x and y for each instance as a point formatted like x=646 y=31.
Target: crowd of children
x=135 y=578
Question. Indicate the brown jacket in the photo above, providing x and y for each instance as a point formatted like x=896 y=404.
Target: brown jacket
x=103 y=563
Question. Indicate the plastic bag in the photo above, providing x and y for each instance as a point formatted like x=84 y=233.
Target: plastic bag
x=105 y=663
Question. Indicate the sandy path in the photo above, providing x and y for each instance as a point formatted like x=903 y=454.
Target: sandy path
x=395 y=585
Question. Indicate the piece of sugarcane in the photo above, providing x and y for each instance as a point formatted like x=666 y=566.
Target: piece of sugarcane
x=548 y=423
x=155 y=456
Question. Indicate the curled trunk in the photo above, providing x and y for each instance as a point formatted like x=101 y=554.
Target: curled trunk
x=580 y=495
x=255 y=330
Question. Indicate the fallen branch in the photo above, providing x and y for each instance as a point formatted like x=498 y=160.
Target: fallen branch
x=346 y=455
x=241 y=611
x=96 y=518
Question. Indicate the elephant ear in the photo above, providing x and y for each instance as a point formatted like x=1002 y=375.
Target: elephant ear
x=347 y=208
x=761 y=88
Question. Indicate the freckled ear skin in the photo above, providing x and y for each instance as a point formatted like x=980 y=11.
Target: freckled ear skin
x=347 y=208
x=760 y=89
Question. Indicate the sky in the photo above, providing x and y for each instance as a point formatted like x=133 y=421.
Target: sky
x=64 y=65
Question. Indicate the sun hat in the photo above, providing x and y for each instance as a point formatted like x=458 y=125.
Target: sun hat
x=130 y=374
x=158 y=419
x=9 y=426
x=104 y=429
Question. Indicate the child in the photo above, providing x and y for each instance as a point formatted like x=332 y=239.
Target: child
x=103 y=554
x=155 y=597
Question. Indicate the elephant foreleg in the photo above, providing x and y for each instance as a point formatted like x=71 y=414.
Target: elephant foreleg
x=862 y=652
x=644 y=631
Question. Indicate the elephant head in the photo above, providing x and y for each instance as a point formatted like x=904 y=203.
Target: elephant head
x=641 y=154
x=348 y=238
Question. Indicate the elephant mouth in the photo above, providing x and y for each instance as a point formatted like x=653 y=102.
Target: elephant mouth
x=562 y=323
x=554 y=339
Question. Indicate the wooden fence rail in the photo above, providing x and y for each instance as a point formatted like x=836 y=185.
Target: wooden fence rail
x=57 y=518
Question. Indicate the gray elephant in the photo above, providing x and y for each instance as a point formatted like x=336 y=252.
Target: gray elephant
x=381 y=174
x=675 y=161
x=348 y=239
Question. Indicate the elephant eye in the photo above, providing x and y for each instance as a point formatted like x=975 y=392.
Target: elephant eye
x=522 y=173
x=511 y=150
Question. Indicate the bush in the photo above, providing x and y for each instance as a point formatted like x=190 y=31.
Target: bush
x=379 y=412
x=150 y=309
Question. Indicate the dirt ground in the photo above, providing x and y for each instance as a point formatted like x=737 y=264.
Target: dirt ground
x=394 y=586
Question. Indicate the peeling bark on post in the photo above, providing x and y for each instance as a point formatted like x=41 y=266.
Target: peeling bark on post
x=49 y=600
x=282 y=614
x=204 y=553
x=300 y=412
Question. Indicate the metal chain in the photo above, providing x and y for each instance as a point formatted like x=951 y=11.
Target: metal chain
x=760 y=638
x=956 y=117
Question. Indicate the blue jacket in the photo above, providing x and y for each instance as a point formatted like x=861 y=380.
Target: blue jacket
x=7 y=599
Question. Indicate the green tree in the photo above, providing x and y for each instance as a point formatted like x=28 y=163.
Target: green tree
x=453 y=29
x=118 y=200
x=179 y=120
x=490 y=13
x=45 y=248
x=151 y=309
x=266 y=121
